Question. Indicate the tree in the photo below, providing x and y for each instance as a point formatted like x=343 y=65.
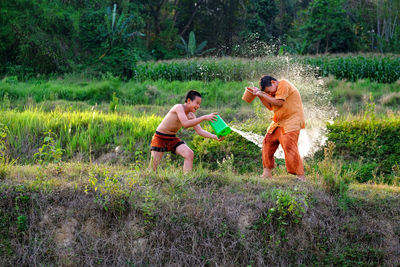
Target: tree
x=34 y=40
x=328 y=28
x=109 y=36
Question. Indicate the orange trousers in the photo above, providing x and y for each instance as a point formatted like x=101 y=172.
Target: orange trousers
x=288 y=141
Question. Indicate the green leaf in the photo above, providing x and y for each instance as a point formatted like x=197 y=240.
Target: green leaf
x=192 y=44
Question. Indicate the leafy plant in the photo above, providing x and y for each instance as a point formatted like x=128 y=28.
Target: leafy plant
x=191 y=49
x=288 y=210
x=5 y=161
x=109 y=193
x=49 y=153
x=117 y=29
x=22 y=222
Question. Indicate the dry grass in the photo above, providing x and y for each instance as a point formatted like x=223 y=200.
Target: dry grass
x=130 y=216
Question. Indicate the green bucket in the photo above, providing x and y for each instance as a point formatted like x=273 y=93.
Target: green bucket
x=220 y=127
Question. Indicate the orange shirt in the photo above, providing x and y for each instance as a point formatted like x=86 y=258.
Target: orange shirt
x=290 y=115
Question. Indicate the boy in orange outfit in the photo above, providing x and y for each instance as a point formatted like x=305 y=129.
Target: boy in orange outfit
x=164 y=139
x=284 y=99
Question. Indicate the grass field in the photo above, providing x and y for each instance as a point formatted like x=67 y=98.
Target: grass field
x=76 y=190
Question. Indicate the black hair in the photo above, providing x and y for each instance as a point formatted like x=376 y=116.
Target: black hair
x=265 y=81
x=192 y=95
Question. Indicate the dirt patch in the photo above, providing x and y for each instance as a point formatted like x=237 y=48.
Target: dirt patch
x=65 y=235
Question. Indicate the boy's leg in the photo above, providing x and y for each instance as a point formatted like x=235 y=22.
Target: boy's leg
x=188 y=155
x=294 y=164
x=270 y=145
x=155 y=159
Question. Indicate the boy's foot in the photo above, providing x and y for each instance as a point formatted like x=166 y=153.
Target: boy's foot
x=301 y=178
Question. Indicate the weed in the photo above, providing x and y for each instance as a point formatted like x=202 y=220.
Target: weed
x=5 y=162
x=148 y=206
x=114 y=103
x=22 y=223
x=227 y=164
x=334 y=179
x=49 y=153
x=110 y=193
x=288 y=210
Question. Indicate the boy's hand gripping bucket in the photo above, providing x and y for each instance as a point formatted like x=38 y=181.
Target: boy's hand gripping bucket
x=220 y=127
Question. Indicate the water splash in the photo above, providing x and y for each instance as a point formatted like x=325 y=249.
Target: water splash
x=309 y=140
x=252 y=137
x=318 y=109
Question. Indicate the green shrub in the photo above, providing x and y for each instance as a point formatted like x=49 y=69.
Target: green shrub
x=245 y=155
x=287 y=211
x=372 y=141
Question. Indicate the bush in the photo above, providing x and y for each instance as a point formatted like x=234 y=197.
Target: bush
x=369 y=140
x=245 y=155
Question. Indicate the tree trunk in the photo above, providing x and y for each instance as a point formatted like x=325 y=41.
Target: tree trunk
x=195 y=10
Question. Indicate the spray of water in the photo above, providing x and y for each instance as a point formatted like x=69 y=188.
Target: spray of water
x=318 y=109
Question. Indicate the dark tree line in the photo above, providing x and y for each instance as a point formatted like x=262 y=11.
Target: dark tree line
x=68 y=35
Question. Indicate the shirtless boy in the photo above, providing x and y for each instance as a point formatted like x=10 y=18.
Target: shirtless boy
x=180 y=115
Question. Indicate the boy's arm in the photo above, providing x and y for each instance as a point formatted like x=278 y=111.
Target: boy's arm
x=202 y=132
x=186 y=123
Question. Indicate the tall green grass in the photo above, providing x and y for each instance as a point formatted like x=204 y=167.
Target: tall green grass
x=350 y=97
x=215 y=93
x=378 y=68
x=209 y=69
x=89 y=134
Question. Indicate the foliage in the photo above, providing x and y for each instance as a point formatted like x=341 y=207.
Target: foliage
x=371 y=141
x=384 y=69
x=328 y=27
x=49 y=153
x=42 y=38
x=288 y=210
x=227 y=69
x=113 y=41
x=379 y=68
x=235 y=153
x=36 y=37
x=5 y=162
x=191 y=48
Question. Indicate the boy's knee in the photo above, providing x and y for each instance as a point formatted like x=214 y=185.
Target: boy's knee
x=189 y=155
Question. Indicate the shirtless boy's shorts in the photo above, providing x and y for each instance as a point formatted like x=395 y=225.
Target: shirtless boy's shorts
x=162 y=142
